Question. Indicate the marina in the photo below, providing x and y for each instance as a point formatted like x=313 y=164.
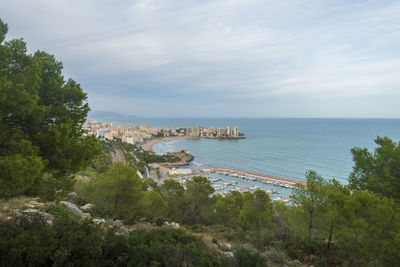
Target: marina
x=225 y=181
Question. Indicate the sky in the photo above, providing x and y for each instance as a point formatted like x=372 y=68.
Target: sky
x=222 y=58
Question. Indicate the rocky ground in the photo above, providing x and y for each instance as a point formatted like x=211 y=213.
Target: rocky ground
x=183 y=156
x=26 y=206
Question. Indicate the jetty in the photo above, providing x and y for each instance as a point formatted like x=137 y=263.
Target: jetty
x=258 y=176
x=252 y=176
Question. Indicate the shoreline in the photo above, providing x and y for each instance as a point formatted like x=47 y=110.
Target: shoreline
x=148 y=146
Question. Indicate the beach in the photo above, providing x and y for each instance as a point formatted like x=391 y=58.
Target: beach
x=148 y=146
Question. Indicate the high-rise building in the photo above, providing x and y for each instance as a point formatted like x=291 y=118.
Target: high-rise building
x=196 y=131
x=236 y=131
x=229 y=130
x=220 y=132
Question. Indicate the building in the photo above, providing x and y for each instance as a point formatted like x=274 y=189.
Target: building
x=229 y=131
x=236 y=131
x=220 y=132
x=101 y=132
x=193 y=131
x=109 y=135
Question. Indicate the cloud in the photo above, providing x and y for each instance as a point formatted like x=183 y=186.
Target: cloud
x=223 y=54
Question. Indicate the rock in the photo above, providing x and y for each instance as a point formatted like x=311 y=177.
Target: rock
x=214 y=246
x=108 y=222
x=49 y=222
x=4 y=208
x=85 y=215
x=71 y=196
x=72 y=207
x=229 y=254
x=75 y=210
x=17 y=213
x=31 y=211
x=117 y=223
x=175 y=225
x=47 y=216
x=123 y=230
x=87 y=206
x=226 y=246
x=99 y=221
x=35 y=203
x=30 y=206
x=172 y=224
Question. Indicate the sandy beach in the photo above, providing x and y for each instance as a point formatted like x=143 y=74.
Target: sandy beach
x=148 y=146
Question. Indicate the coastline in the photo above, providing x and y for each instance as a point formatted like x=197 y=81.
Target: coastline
x=148 y=146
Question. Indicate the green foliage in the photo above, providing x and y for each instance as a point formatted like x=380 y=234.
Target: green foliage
x=59 y=211
x=154 y=205
x=41 y=117
x=311 y=201
x=174 y=194
x=246 y=258
x=378 y=172
x=31 y=242
x=257 y=211
x=198 y=200
x=227 y=209
x=102 y=161
x=168 y=247
x=118 y=191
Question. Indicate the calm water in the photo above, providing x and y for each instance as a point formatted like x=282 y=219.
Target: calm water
x=285 y=147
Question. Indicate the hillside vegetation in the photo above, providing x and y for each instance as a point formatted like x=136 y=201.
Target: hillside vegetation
x=117 y=218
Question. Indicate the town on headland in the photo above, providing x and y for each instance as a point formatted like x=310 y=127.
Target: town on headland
x=138 y=135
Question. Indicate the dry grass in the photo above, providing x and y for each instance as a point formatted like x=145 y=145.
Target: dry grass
x=16 y=202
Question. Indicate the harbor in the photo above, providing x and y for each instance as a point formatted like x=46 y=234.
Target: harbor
x=225 y=180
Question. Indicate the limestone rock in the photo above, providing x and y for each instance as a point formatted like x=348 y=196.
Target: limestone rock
x=117 y=223
x=123 y=230
x=108 y=222
x=47 y=216
x=229 y=254
x=85 y=215
x=75 y=210
x=99 y=221
x=31 y=211
x=87 y=206
x=172 y=224
x=71 y=196
x=226 y=246
x=213 y=246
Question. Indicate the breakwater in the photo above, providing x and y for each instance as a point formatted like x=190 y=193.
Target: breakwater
x=253 y=176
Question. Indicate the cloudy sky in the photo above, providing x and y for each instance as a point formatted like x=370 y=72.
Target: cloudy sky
x=230 y=58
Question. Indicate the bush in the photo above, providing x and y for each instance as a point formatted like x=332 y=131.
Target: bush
x=246 y=258
x=69 y=242
x=276 y=256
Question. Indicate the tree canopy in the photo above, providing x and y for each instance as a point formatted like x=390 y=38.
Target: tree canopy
x=378 y=172
x=41 y=118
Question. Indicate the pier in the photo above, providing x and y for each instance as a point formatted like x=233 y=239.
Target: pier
x=251 y=176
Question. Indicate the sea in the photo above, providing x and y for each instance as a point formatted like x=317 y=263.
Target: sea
x=283 y=147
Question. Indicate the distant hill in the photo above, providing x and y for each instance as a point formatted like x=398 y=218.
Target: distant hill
x=108 y=116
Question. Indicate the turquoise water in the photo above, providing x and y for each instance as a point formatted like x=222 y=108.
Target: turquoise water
x=284 y=147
